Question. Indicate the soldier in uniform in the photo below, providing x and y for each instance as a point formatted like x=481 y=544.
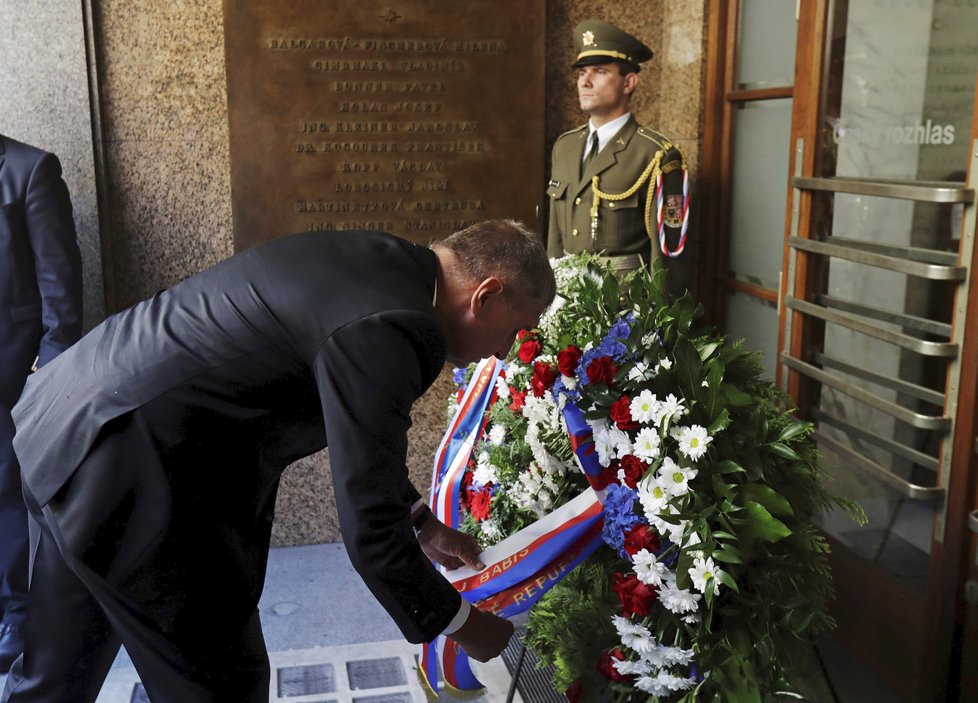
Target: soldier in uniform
x=616 y=187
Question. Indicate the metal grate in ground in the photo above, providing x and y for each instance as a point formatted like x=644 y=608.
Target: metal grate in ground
x=377 y=672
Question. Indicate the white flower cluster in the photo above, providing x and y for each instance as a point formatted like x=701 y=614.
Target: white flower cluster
x=652 y=668
x=535 y=491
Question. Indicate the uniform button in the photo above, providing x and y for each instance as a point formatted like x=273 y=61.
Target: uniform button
x=611 y=204
x=577 y=201
x=575 y=232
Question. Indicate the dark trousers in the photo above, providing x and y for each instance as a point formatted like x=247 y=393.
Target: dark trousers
x=122 y=556
x=13 y=528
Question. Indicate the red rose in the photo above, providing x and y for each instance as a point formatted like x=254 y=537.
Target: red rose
x=606 y=665
x=621 y=414
x=529 y=350
x=602 y=370
x=642 y=537
x=634 y=469
x=636 y=597
x=573 y=692
x=523 y=335
x=479 y=504
x=518 y=399
x=568 y=359
x=543 y=378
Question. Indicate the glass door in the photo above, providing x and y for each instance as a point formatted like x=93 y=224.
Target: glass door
x=874 y=312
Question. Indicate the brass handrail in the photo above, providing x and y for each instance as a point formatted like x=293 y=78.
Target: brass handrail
x=910 y=490
x=921 y=191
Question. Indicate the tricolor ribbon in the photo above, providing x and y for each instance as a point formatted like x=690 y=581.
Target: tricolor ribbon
x=661 y=220
x=525 y=565
x=456 y=446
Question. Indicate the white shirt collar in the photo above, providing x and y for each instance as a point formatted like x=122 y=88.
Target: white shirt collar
x=608 y=130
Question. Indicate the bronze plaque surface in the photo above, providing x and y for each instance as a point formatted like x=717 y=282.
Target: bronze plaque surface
x=416 y=118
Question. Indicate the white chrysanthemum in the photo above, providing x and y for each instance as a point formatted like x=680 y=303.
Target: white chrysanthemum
x=690 y=541
x=603 y=446
x=532 y=491
x=653 y=496
x=502 y=388
x=650 y=684
x=647 y=444
x=667 y=683
x=497 y=435
x=678 y=600
x=621 y=442
x=538 y=410
x=676 y=477
x=640 y=372
x=630 y=668
x=648 y=569
x=673 y=531
x=693 y=441
x=672 y=408
x=702 y=570
x=485 y=472
x=491 y=530
x=633 y=635
x=644 y=407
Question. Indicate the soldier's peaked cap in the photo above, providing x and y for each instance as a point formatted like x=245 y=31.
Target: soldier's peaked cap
x=600 y=42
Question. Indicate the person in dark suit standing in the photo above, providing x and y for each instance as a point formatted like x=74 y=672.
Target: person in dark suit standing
x=152 y=451
x=40 y=317
x=612 y=158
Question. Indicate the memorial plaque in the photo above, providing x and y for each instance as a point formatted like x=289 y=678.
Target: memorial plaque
x=417 y=118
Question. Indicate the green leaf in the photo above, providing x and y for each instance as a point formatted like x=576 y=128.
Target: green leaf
x=721 y=422
x=762 y=525
x=728 y=557
x=775 y=503
x=706 y=351
x=785 y=451
x=727 y=466
x=793 y=430
x=736 y=397
x=728 y=580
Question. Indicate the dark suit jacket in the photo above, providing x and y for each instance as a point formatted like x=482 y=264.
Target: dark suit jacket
x=262 y=359
x=621 y=223
x=40 y=265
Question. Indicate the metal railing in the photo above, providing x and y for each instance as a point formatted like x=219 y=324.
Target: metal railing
x=921 y=336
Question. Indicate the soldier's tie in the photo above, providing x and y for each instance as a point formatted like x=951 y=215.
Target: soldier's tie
x=591 y=152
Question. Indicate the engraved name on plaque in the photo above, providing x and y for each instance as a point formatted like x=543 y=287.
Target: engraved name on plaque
x=416 y=118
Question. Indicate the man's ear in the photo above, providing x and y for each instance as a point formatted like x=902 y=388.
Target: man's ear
x=631 y=83
x=483 y=293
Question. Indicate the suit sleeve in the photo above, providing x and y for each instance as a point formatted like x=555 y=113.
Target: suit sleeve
x=369 y=374
x=57 y=260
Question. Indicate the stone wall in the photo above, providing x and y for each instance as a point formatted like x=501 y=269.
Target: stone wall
x=162 y=127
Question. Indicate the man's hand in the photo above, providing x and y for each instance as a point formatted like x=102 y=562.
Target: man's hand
x=450 y=548
x=483 y=635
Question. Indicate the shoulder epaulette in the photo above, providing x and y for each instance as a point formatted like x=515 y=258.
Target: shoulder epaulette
x=573 y=131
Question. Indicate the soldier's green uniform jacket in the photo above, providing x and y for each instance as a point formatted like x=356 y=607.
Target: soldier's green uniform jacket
x=621 y=225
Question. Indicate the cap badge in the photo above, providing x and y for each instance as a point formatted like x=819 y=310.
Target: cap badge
x=588 y=38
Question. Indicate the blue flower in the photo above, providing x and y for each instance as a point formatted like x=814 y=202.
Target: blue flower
x=573 y=394
x=612 y=344
x=459 y=377
x=619 y=516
